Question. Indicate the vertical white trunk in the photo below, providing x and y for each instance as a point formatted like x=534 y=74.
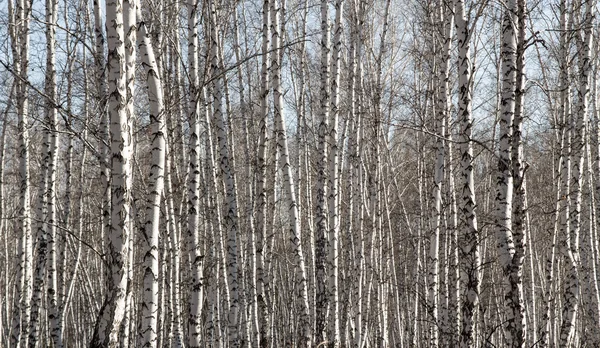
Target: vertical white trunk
x=333 y=182
x=571 y=286
x=288 y=183
x=261 y=191
x=250 y=263
x=510 y=243
x=594 y=165
x=20 y=51
x=453 y=260
x=519 y=222
x=217 y=226
x=104 y=133
x=583 y=39
x=4 y=311
x=175 y=256
x=447 y=24
x=194 y=249
x=155 y=187
x=443 y=23
x=469 y=253
x=52 y=116
x=597 y=167
x=110 y=318
x=230 y=218
x=130 y=31
x=322 y=296
x=304 y=326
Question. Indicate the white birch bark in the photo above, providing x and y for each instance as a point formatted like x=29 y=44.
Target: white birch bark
x=104 y=133
x=322 y=243
x=333 y=182
x=510 y=244
x=571 y=286
x=155 y=186
x=597 y=166
x=196 y=299
x=304 y=337
x=175 y=248
x=519 y=223
x=469 y=253
x=212 y=196
x=230 y=218
x=4 y=311
x=453 y=319
x=443 y=40
x=52 y=116
x=109 y=320
x=261 y=191
x=130 y=31
x=20 y=50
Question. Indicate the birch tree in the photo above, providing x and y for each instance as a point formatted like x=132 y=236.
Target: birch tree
x=295 y=236
x=231 y=219
x=333 y=181
x=469 y=252
x=19 y=17
x=510 y=245
x=109 y=320
x=156 y=185
x=322 y=245
x=261 y=191
x=196 y=297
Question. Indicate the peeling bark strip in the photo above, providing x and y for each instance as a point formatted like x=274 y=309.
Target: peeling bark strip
x=106 y=333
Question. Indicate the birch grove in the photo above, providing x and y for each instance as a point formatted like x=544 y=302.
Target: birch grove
x=292 y=173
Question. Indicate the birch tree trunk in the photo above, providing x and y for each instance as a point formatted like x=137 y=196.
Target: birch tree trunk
x=510 y=244
x=322 y=245
x=333 y=182
x=261 y=191
x=196 y=298
x=443 y=24
x=20 y=50
x=104 y=133
x=4 y=311
x=571 y=285
x=130 y=31
x=109 y=320
x=519 y=223
x=295 y=236
x=469 y=251
x=230 y=218
x=53 y=142
x=155 y=186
